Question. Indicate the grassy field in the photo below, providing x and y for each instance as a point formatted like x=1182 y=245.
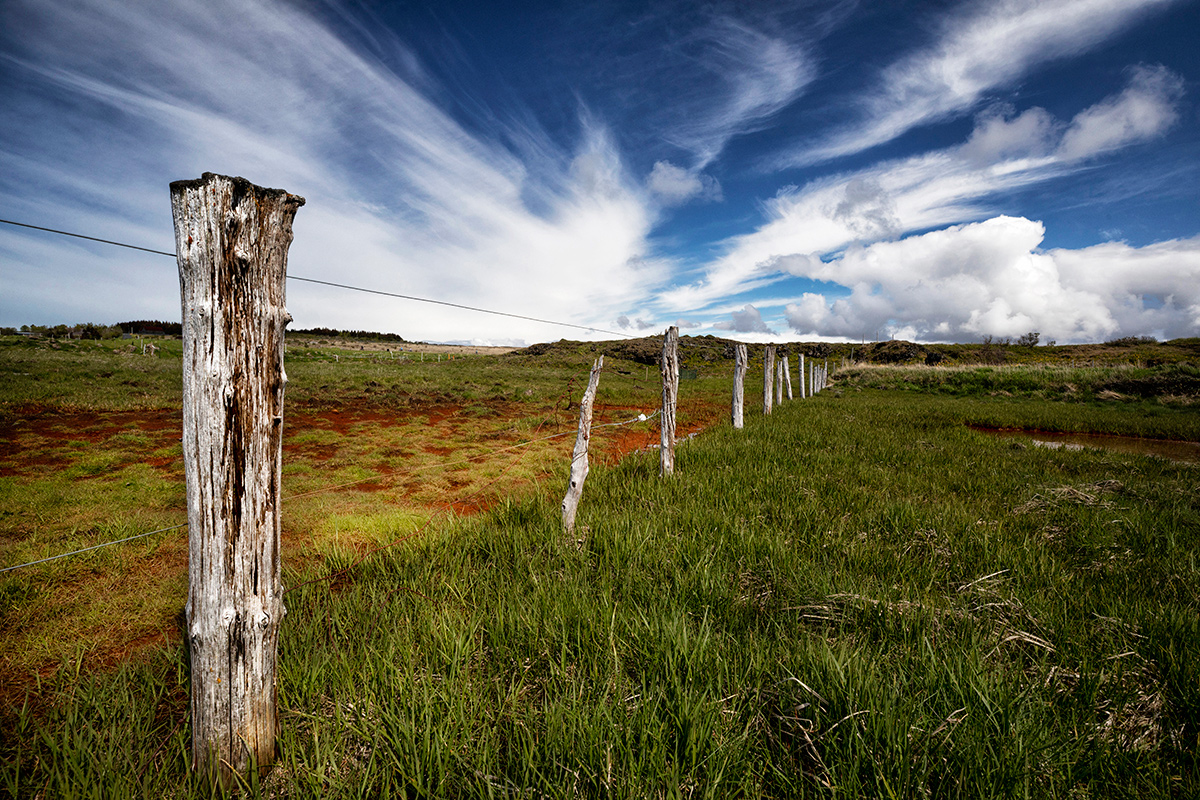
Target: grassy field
x=90 y=453
x=856 y=596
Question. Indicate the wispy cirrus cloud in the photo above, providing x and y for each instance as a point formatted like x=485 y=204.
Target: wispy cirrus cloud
x=400 y=196
x=725 y=77
x=975 y=50
x=758 y=75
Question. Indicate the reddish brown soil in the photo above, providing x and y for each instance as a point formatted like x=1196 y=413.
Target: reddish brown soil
x=36 y=442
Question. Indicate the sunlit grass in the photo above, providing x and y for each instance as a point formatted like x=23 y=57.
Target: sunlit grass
x=857 y=596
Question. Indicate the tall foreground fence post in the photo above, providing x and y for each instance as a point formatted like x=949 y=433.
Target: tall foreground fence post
x=231 y=241
x=768 y=370
x=739 y=384
x=579 y=459
x=669 y=367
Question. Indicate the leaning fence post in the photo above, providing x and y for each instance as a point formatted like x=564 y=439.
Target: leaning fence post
x=579 y=458
x=787 y=377
x=739 y=383
x=768 y=369
x=231 y=241
x=669 y=367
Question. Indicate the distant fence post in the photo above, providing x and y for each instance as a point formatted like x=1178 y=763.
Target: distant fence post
x=231 y=241
x=803 y=380
x=768 y=374
x=739 y=384
x=579 y=459
x=669 y=367
x=787 y=377
x=779 y=381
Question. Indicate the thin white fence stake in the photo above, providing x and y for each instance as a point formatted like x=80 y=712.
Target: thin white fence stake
x=768 y=375
x=787 y=377
x=669 y=368
x=579 y=458
x=231 y=240
x=779 y=381
x=803 y=380
x=739 y=384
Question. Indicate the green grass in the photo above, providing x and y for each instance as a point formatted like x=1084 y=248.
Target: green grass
x=855 y=597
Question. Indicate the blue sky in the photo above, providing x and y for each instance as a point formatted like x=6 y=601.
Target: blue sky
x=936 y=171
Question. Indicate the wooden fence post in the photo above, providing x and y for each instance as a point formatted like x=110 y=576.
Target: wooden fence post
x=579 y=459
x=787 y=377
x=803 y=380
x=739 y=384
x=231 y=241
x=768 y=370
x=669 y=367
x=779 y=381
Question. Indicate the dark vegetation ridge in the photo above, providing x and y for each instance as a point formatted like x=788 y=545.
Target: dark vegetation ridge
x=698 y=350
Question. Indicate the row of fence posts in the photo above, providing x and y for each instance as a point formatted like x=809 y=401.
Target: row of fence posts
x=777 y=381
x=232 y=240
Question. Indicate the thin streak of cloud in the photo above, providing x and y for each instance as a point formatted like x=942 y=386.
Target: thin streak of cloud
x=987 y=46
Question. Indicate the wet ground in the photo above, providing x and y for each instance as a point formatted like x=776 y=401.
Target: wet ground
x=1186 y=452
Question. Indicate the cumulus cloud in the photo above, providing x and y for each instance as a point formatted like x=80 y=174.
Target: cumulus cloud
x=982 y=47
x=991 y=278
x=675 y=185
x=1152 y=290
x=867 y=210
x=748 y=320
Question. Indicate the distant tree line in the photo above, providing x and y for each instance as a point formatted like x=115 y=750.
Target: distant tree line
x=94 y=330
x=334 y=333
x=158 y=327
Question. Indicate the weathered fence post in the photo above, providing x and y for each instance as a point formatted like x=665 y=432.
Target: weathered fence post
x=231 y=241
x=768 y=370
x=739 y=383
x=787 y=377
x=803 y=379
x=779 y=381
x=669 y=367
x=579 y=459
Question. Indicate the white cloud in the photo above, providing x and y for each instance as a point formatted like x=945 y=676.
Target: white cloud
x=675 y=185
x=988 y=45
x=1152 y=290
x=1001 y=136
x=748 y=320
x=1146 y=108
x=753 y=76
x=932 y=190
x=400 y=196
x=990 y=278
